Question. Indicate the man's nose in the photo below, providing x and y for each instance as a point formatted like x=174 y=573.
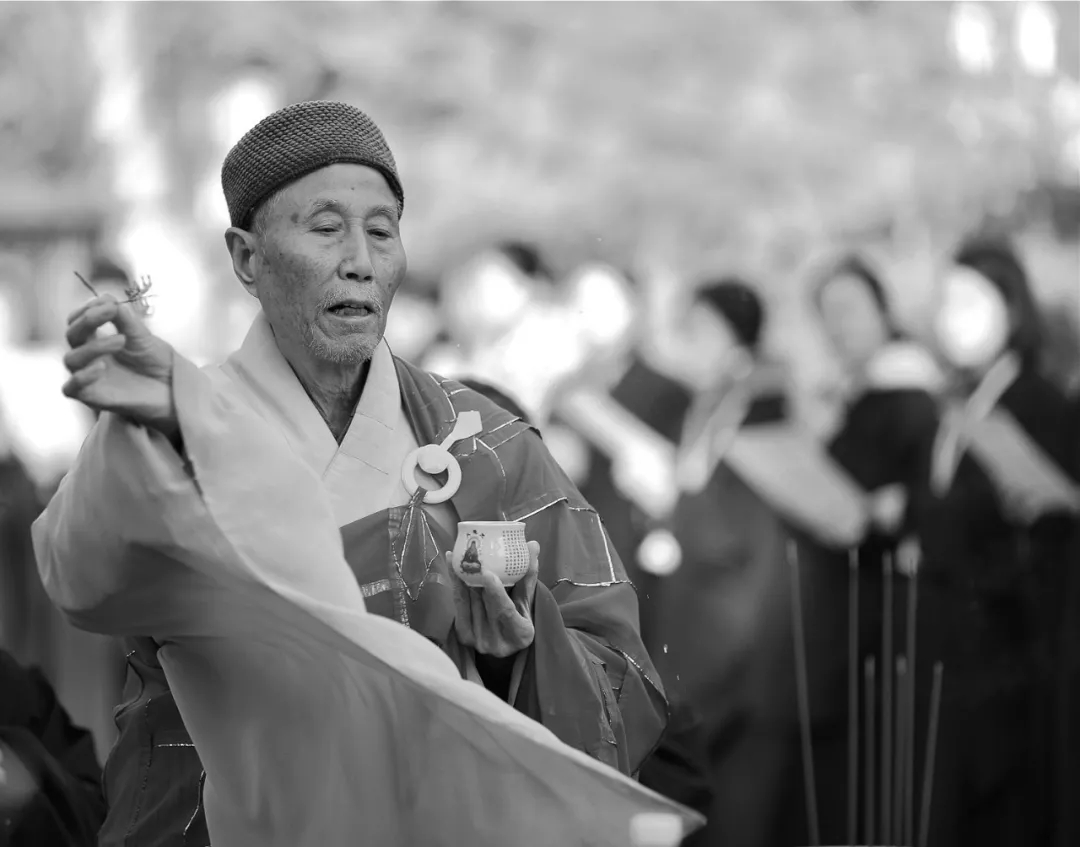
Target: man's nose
x=356 y=263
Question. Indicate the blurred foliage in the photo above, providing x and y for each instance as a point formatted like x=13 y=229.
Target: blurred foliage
x=736 y=132
x=46 y=92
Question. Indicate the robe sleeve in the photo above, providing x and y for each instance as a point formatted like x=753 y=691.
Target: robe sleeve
x=123 y=547
x=587 y=676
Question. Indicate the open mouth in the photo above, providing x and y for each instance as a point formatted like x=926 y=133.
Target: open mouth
x=351 y=309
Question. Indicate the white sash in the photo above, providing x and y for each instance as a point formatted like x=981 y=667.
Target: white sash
x=643 y=461
x=1029 y=481
x=792 y=471
x=953 y=433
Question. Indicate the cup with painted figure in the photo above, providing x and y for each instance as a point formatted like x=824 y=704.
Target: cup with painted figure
x=495 y=546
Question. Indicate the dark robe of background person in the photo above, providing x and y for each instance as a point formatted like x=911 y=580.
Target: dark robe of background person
x=23 y=604
x=676 y=767
x=661 y=403
x=992 y=595
x=884 y=439
x=63 y=805
x=86 y=670
x=724 y=619
x=1066 y=687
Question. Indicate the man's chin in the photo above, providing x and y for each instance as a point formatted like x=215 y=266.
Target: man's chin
x=351 y=350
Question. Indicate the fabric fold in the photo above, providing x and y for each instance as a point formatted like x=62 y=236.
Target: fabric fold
x=316 y=722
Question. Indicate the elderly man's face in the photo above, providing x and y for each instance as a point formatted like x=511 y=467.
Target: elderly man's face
x=328 y=262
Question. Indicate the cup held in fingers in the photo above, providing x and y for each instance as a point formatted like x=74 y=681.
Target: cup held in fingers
x=497 y=547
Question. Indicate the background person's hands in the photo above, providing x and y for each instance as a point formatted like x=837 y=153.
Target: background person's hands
x=887 y=506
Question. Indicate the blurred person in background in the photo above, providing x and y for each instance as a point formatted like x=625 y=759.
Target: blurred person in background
x=751 y=483
x=40 y=432
x=50 y=791
x=480 y=303
x=628 y=418
x=412 y=331
x=676 y=768
x=995 y=524
x=1062 y=334
x=21 y=606
x=315 y=199
x=882 y=442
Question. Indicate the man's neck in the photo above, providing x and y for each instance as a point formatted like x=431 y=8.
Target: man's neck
x=334 y=390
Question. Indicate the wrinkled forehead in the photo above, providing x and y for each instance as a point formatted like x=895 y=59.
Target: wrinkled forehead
x=351 y=190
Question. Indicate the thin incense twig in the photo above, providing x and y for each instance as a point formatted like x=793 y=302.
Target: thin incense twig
x=886 y=701
x=870 y=687
x=853 y=696
x=82 y=279
x=931 y=751
x=803 y=691
x=139 y=294
x=902 y=683
x=909 y=765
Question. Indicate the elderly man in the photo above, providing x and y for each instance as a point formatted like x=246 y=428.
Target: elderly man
x=315 y=202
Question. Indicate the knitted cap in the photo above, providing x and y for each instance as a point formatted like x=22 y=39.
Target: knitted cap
x=295 y=141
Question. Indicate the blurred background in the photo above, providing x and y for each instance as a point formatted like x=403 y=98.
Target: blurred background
x=633 y=149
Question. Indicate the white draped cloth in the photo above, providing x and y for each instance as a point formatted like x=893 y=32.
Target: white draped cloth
x=316 y=722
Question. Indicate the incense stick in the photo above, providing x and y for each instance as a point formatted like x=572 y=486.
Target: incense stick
x=931 y=751
x=902 y=683
x=870 y=688
x=853 y=696
x=138 y=294
x=82 y=279
x=803 y=691
x=886 y=701
x=909 y=765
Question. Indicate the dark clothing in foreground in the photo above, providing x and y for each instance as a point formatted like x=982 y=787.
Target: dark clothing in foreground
x=68 y=807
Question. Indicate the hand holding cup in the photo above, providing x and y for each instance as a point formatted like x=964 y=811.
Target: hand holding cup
x=494 y=571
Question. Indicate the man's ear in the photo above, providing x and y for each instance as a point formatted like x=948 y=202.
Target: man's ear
x=243 y=250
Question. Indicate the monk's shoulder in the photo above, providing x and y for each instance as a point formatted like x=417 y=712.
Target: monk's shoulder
x=499 y=424
x=512 y=443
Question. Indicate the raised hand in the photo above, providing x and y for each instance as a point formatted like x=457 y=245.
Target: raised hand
x=129 y=373
x=493 y=621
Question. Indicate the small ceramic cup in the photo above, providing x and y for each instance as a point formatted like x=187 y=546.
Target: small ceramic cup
x=496 y=546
